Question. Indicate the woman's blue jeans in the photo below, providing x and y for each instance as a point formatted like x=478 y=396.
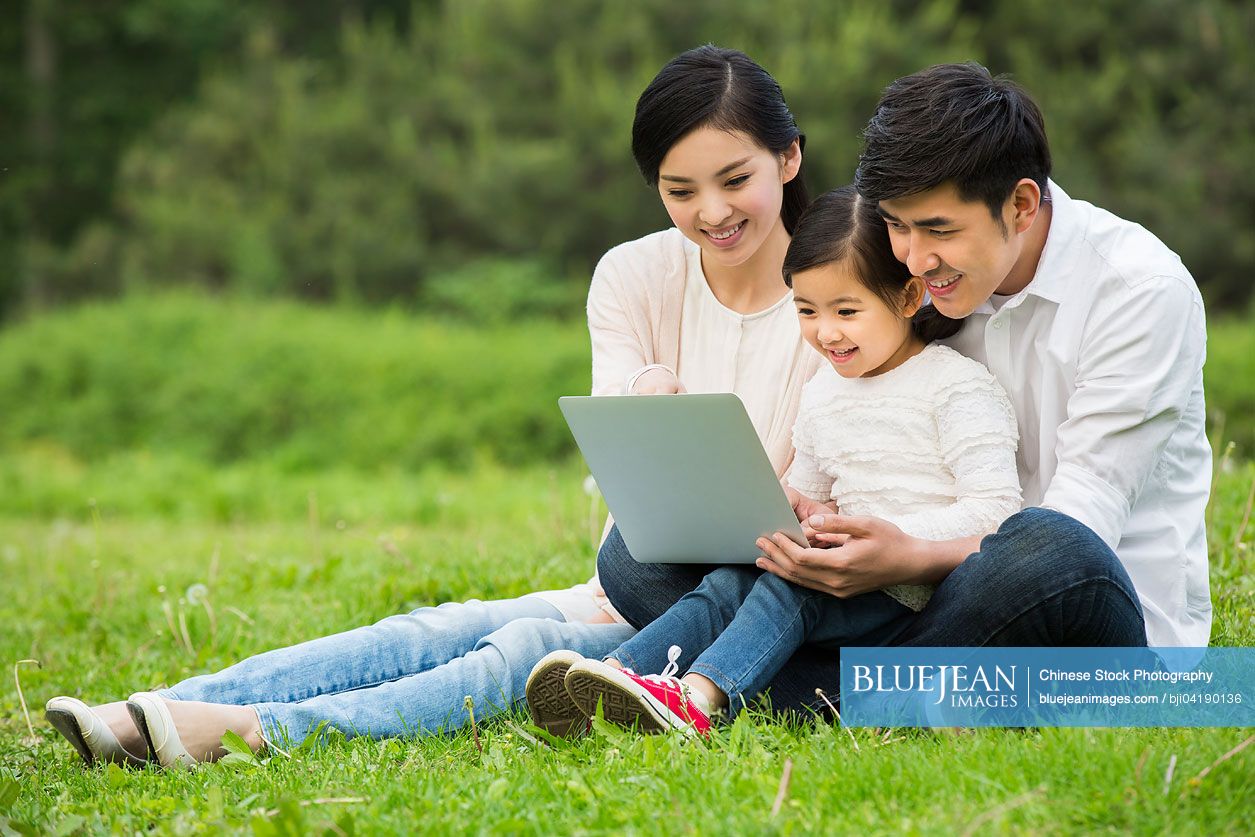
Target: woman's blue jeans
x=406 y=675
x=1043 y=579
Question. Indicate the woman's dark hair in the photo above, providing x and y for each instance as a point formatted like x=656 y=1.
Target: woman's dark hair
x=716 y=88
x=840 y=225
x=953 y=123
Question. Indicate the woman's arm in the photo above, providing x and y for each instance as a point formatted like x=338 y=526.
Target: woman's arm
x=619 y=352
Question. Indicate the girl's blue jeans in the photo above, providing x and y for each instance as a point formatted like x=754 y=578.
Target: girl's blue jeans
x=740 y=626
x=405 y=675
x=1043 y=579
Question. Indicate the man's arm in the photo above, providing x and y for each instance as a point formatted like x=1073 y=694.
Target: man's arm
x=1140 y=360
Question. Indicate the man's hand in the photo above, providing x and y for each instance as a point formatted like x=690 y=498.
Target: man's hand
x=657 y=382
x=872 y=554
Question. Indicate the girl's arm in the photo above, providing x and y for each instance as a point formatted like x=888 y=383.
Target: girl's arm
x=977 y=433
x=807 y=486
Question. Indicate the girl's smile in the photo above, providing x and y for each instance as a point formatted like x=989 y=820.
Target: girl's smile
x=855 y=330
x=841 y=355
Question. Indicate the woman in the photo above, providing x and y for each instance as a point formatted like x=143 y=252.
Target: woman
x=700 y=307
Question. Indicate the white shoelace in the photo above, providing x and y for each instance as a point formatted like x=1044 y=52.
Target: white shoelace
x=669 y=672
x=693 y=700
x=668 y=678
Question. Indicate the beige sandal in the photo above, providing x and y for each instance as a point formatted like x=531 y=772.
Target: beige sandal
x=90 y=735
x=153 y=720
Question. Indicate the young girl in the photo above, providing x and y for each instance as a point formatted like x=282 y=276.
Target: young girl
x=698 y=306
x=895 y=426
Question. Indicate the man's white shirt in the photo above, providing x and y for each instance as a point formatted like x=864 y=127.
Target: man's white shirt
x=1102 y=357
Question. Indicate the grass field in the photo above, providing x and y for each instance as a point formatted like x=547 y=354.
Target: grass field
x=96 y=559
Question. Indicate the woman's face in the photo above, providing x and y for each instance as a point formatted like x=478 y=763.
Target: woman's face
x=724 y=191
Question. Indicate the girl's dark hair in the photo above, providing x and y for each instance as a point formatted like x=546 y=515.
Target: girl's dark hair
x=716 y=88
x=840 y=225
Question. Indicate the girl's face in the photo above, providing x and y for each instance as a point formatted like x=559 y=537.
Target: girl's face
x=724 y=191
x=854 y=329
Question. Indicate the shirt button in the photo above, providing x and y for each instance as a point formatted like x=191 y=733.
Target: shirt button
x=997 y=323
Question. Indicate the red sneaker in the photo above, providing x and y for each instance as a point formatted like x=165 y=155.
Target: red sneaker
x=651 y=702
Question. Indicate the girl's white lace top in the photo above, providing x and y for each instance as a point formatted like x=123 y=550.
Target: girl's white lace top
x=928 y=446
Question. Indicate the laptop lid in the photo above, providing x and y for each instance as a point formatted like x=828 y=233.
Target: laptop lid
x=685 y=476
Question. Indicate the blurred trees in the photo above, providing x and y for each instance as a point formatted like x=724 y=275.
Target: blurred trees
x=1151 y=115
x=80 y=80
x=397 y=151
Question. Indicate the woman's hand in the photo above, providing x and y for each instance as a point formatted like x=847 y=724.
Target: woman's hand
x=658 y=382
x=871 y=554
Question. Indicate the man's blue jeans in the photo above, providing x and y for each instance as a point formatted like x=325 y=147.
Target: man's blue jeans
x=405 y=675
x=741 y=625
x=1042 y=579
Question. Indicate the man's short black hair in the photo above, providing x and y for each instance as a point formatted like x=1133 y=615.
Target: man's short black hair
x=953 y=123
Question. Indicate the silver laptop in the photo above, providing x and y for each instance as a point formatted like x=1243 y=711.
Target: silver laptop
x=685 y=476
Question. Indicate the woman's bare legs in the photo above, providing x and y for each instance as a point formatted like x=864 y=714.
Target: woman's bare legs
x=120 y=723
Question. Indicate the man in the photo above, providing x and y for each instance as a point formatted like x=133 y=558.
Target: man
x=1096 y=331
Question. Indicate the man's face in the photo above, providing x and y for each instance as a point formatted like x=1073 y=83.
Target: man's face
x=957 y=247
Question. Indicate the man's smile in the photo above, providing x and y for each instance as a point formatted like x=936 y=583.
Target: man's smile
x=942 y=286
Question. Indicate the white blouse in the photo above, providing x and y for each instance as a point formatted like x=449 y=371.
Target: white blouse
x=754 y=355
x=650 y=304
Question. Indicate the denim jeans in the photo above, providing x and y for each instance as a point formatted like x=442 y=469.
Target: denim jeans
x=1042 y=579
x=405 y=675
x=741 y=625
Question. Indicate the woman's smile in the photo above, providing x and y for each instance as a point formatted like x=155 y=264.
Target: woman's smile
x=724 y=237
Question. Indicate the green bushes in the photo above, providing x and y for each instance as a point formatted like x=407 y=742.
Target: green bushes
x=222 y=381
x=310 y=388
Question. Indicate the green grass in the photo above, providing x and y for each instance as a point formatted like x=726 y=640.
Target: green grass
x=94 y=555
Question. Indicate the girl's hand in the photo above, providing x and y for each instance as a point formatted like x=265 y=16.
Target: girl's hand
x=657 y=382
x=804 y=507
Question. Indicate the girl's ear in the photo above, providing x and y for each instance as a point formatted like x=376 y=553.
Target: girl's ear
x=912 y=296
x=790 y=161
